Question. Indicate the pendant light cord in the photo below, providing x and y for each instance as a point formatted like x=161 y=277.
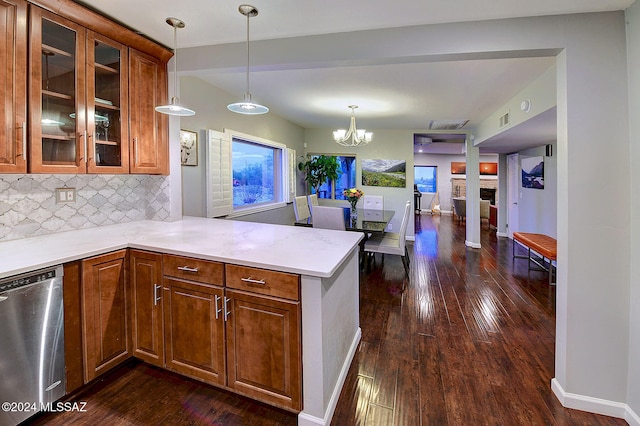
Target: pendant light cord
x=175 y=61
x=248 y=89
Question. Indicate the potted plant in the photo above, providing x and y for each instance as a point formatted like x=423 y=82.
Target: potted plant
x=317 y=169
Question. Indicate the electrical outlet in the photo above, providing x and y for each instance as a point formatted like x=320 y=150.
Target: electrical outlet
x=65 y=195
x=390 y=227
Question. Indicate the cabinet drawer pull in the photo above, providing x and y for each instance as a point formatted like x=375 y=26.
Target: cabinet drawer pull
x=156 y=298
x=187 y=269
x=218 y=310
x=253 y=281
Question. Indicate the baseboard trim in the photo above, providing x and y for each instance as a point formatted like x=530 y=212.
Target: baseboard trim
x=305 y=419
x=502 y=234
x=472 y=245
x=594 y=405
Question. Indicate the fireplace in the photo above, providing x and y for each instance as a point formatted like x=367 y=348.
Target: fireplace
x=488 y=194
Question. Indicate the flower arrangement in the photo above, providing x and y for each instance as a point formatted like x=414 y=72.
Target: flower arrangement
x=353 y=195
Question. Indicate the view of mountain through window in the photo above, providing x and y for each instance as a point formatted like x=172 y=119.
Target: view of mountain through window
x=253 y=173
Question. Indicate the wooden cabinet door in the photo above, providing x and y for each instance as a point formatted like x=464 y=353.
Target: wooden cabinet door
x=149 y=129
x=105 y=313
x=107 y=105
x=13 y=86
x=57 y=110
x=264 y=348
x=194 y=330
x=146 y=301
x=73 y=348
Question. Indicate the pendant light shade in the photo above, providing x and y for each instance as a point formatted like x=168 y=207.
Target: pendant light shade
x=174 y=107
x=247 y=106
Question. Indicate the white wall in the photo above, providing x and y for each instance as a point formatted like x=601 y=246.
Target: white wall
x=633 y=59
x=443 y=162
x=386 y=144
x=594 y=265
x=537 y=208
x=210 y=104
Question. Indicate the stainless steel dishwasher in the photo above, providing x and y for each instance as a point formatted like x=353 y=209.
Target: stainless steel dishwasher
x=31 y=343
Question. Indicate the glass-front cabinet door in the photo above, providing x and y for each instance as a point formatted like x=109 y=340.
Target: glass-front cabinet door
x=57 y=111
x=107 y=101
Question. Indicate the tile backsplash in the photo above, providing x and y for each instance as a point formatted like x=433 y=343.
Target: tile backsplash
x=28 y=202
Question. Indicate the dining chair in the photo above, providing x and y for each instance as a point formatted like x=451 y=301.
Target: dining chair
x=373 y=202
x=301 y=208
x=328 y=217
x=313 y=201
x=392 y=243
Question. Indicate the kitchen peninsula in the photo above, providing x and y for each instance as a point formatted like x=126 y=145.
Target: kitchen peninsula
x=326 y=262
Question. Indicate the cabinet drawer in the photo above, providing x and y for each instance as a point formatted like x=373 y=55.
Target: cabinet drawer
x=263 y=281
x=204 y=271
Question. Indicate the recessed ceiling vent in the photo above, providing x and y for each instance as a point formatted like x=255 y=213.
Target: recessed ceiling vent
x=504 y=119
x=447 y=124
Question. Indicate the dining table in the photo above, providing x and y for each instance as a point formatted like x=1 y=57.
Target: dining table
x=367 y=221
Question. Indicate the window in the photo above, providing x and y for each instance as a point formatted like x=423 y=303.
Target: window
x=254 y=173
x=426 y=178
x=346 y=179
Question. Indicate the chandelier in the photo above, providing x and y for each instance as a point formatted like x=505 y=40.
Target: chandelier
x=353 y=136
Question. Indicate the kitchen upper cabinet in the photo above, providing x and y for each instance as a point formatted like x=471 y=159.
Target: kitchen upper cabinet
x=149 y=129
x=147 y=303
x=57 y=103
x=79 y=98
x=13 y=86
x=106 y=319
x=107 y=105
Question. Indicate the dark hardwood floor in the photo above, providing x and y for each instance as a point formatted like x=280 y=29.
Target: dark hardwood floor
x=469 y=340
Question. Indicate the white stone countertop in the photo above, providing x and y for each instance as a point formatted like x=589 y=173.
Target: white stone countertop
x=295 y=249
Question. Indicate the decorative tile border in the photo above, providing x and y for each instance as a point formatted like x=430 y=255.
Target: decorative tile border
x=28 y=202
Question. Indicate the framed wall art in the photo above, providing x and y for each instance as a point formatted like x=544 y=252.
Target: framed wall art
x=533 y=172
x=384 y=173
x=188 y=148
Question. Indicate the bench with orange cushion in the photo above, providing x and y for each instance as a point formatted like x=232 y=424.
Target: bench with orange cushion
x=544 y=245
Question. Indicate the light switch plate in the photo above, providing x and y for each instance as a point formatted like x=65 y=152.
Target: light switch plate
x=65 y=195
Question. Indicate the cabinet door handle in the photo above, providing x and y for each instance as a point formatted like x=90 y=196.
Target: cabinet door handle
x=92 y=136
x=83 y=136
x=253 y=281
x=218 y=310
x=24 y=140
x=156 y=298
x=226 y=308
x=187 y=269
x=135 y=151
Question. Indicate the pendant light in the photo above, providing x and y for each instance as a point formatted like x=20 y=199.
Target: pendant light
x=174 y=107
x=247 y=106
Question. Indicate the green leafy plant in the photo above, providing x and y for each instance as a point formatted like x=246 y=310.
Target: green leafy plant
x=317 y=169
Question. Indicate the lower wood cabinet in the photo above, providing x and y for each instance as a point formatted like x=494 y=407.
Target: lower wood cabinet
x=194 y=330
x=263 y=348
x=146 y=300
x=105 y=313
x=230 y=326
x=73 y=348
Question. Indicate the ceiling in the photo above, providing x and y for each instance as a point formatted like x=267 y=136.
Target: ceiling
x=405 y=95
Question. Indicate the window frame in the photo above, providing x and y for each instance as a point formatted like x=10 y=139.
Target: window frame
x=280 y=178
